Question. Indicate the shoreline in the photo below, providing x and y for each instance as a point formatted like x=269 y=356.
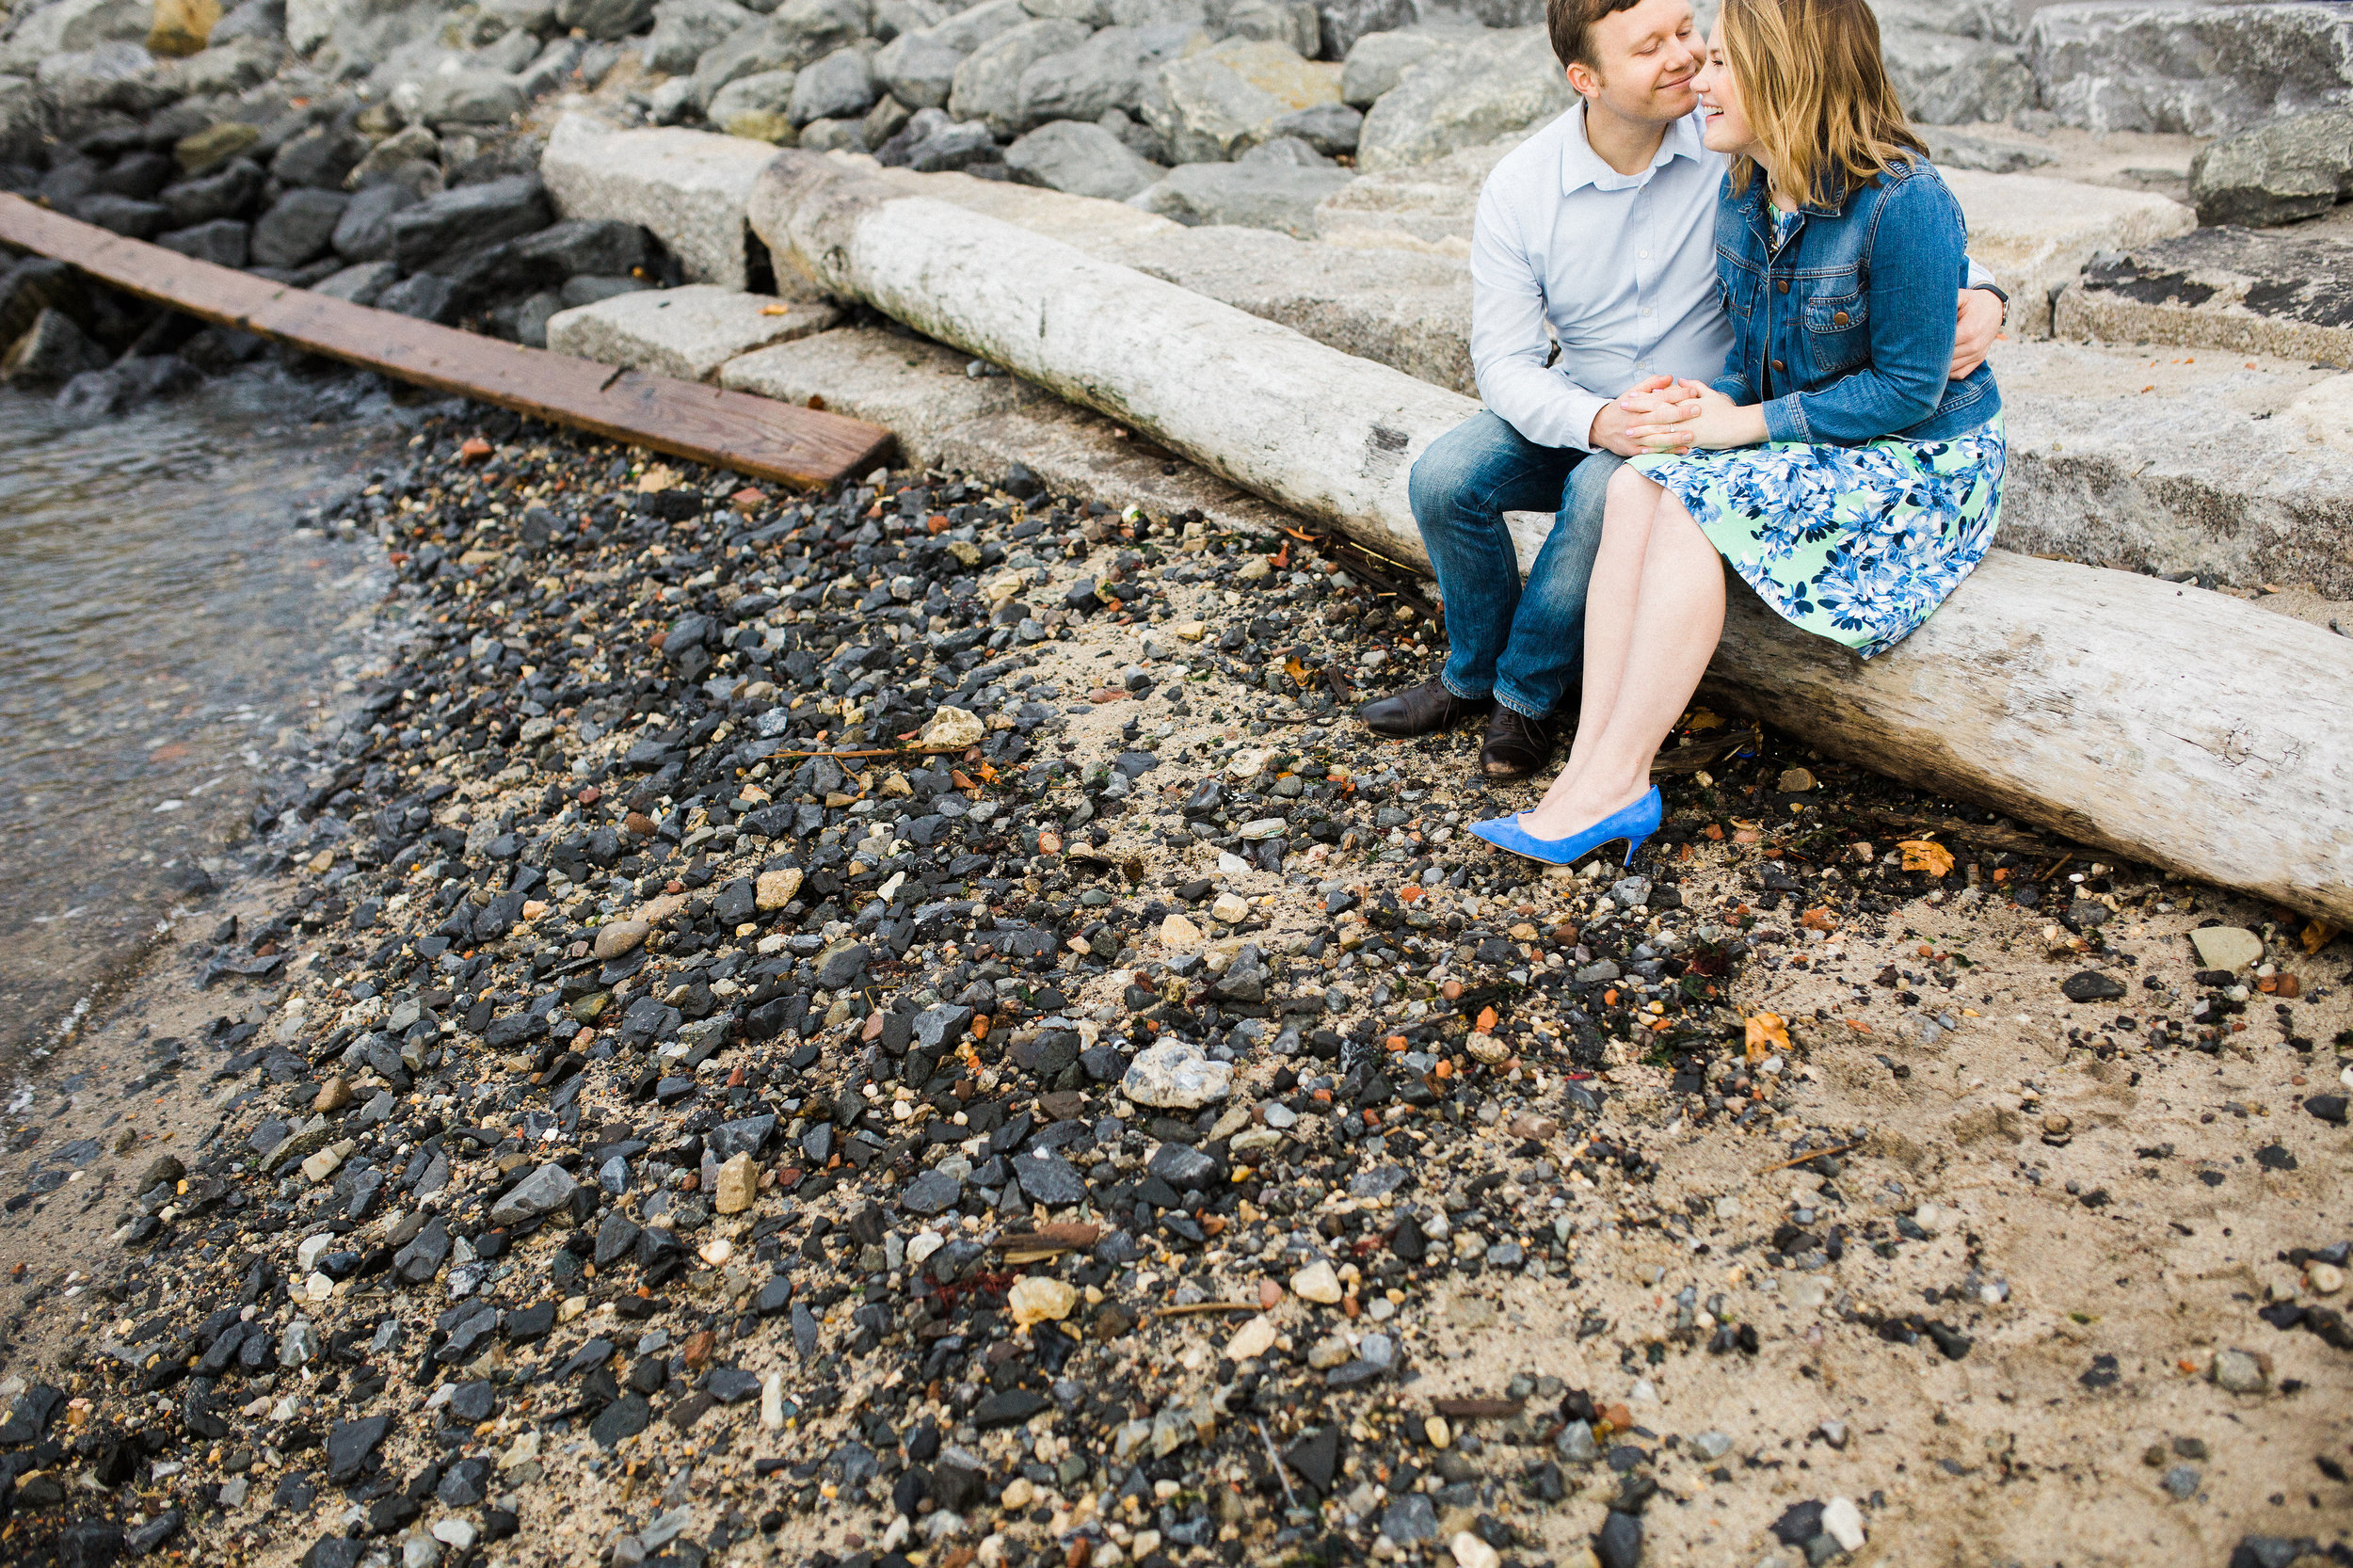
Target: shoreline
x=935 y=1086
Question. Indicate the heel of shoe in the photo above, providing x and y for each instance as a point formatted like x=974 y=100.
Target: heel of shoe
x=1634 y=847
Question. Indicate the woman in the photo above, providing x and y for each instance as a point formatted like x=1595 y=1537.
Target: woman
x=1832 y=464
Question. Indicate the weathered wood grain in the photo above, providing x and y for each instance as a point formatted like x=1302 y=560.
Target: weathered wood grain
x=732 y=430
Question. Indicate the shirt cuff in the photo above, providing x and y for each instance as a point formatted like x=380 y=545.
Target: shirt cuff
x=1579 y=411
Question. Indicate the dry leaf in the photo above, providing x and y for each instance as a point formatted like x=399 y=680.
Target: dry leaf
x=1923 y=854
x=1768 y=1034
x=775 y=310
x=2319 y=934
x=1702 y=719
x=1297 y=671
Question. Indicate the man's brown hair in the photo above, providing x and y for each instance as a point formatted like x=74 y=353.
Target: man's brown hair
x=1571 y=24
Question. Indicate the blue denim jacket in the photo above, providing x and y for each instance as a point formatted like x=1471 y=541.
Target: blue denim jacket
x=1849 y=327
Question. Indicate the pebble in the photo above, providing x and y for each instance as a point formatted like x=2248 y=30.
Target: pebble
x=616 y=938
x=2226 y=947
x=1317 y=1282
x=1035 y=1299
x=2239 y=1372
x=1176 y=1075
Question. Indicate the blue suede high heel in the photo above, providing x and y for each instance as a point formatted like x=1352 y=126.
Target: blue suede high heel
x=1634 y=824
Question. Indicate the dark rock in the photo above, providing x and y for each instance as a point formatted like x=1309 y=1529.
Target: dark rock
x=223 y=242
x=441 y=232
x=1008 y=1407
x=364 y=233
x=298 y=228
x=624 y=1418
x=349 y=1443
x=2092 y=985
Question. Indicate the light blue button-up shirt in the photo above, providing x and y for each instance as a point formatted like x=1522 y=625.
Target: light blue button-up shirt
x=1622 y=265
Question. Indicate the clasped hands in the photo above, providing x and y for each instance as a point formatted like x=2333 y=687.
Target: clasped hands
x=1669 y=415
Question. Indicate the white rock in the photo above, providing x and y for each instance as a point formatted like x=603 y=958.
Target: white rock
x=1842 y=1523
x=1316 y=1283
x=1231 y=907
x=1254 y=1339
x=1179 y=935
x=953 y=726
x=690 y=187
x=2227 y=947
x=1470 y=1550
x=1174 y=1076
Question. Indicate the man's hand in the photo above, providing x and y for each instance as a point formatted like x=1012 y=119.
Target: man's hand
x=1980 y=323
x=1659 y=405
x=1715 y=421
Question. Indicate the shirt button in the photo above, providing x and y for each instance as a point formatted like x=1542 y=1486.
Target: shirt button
x=1778 y=366
x=1643 y=255
x=1646 y=309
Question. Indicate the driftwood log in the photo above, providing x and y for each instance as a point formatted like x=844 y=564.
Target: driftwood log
x=2170 y=725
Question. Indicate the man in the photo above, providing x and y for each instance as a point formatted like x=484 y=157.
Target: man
x=1602 y=225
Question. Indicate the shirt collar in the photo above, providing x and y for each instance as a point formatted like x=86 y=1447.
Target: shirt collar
x=1581 y=166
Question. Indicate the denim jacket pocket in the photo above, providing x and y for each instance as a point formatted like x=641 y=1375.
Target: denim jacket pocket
x=1837 y=332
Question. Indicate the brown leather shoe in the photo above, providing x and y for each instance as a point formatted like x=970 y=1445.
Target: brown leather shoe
x=1420 y=709
x=1516 y=745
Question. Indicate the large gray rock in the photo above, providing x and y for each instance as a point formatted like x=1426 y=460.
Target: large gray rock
x=52 y=349
x=2186 y=65
x=1111 y=70
x=1375 y=61
x=1465 y=97
x=1995 y=20
x=23 y=119
x=298 y=228
x=2292 y=169
x=360 y=283
x=987 y=86
x=223 y=242
x=801 y=33
x=689 y=188
x=1342 y=23
x=932 y=143
x=1080 y=159
x=70 y=26
x=1331 y=129
x=120 y=76
x=470 y=98
x=839 y=86
x=1213 y=106
x=364 y=233
x=442 y=232
x=685 y=30
x=1293 y=23
x=341 y=34
x=753 y=105
x=919 y=67
x=604 y=19
x=1948 y=80
x=1257 y=195
x=230 y=66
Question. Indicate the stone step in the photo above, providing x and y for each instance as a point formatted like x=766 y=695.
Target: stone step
x=2284 y=291
x=686 y=332
x=689 y=188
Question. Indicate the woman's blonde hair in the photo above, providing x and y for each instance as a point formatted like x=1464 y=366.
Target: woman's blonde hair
x=1814 y=90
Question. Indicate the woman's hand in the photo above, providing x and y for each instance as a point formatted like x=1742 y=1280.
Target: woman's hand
x=1655 y=417
x=1715 y=421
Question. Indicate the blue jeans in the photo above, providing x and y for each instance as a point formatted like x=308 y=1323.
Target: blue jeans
x=1521 y=644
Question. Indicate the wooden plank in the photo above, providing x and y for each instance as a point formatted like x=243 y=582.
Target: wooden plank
x=755 y=436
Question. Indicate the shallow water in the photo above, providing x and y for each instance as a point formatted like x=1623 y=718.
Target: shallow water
x=165 y=631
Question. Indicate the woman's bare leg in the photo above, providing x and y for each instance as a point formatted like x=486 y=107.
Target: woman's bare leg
x=1677 y=619
x=1609 y=597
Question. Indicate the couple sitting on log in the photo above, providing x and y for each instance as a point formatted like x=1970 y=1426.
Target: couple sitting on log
x=1751 y=270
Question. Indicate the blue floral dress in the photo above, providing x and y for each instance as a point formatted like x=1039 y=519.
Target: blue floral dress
x=1859 y=544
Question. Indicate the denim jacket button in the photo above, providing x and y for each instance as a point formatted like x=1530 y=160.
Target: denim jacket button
x=1839 y=319
x=1778 y=366
x=1784 y=285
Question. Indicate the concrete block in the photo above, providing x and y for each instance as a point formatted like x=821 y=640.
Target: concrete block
x=2239 y=291
x=2036 y=232
x=2222 y=465
x=947 y=419
x=690 y=187
x=1423 y=205
x=684 y=332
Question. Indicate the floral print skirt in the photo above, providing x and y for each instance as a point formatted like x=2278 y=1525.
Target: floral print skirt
x=1859 y=544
